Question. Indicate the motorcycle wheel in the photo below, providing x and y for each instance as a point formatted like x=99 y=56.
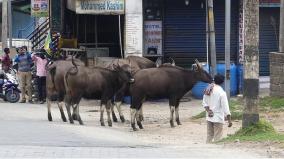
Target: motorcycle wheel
x=12 y=96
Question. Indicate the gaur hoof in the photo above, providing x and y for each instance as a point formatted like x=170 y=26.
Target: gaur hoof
x=109 y=123
x=114 y=118
x=71 y=122
x=49 y=117
x=122 y=119
x=81 y=122
x=140 y=125
x=134 y=127
x=74 y=116
x=102 y=124
x=178 y=122
x=172 y=124
x=64 y=119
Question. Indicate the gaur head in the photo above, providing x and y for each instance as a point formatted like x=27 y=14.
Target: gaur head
x=200 y=73
x=124 y=73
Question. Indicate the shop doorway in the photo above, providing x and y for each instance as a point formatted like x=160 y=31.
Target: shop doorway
x=98 y=33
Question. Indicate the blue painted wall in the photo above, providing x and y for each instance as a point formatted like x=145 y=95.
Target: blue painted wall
x=23 y=22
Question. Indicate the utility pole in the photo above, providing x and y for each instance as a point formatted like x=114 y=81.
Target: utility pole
x=251 y=62
x=10 y=22
x=227 y=46
x=281 y=28
x=4 y=24
x=212 y=43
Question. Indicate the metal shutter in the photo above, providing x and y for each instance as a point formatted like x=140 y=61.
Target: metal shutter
x=185 y=30
x=269 y=37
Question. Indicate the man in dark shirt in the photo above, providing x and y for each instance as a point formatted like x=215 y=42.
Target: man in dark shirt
x=6 y=61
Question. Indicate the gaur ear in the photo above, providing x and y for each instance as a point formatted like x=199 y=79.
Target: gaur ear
x=129 y=62
x=114 y=66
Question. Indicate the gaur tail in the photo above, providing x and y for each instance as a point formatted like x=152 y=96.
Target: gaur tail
x=71 y=71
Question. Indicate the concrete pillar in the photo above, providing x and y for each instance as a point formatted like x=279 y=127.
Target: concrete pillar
x=4 y=23
x=281 y=28
x=251 y=62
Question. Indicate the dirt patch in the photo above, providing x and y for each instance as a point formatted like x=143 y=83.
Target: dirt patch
x=157 y=128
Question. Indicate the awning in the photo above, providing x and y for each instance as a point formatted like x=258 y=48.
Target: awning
x=106 y=7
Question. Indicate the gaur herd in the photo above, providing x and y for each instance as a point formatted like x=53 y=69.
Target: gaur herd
x=70 y=80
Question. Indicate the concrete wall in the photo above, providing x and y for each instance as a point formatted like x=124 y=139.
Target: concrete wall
x=276 y=74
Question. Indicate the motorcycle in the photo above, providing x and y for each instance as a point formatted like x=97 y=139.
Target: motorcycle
x=9 y=90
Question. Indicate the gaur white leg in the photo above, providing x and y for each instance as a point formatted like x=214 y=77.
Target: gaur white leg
x=78 y=114
x=108 y=110
x=177 y=115
x=138 y=118
x=172 y=109
x=69 y=113
x=118 y=107
x=48 y=110
x=60 y=106
x=114 y=118
x=102 y=109
x=133 y=115
x=140 y=113
x=74 y=115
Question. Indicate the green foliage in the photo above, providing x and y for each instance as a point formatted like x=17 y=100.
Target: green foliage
x=261 y=127
x=262 y=131
x=271 y=103
x=200 y=115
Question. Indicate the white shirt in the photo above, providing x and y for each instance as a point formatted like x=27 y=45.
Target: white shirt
x=217 y=101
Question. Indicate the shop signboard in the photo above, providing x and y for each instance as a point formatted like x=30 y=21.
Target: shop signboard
x=39 y=8
x=153 y=37
x=106 y=7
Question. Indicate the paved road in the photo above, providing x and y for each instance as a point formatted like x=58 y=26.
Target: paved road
x=25 y=132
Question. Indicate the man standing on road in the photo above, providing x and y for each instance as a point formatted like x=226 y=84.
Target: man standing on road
x=24 y=61
x=40 y=62
x=217 y=109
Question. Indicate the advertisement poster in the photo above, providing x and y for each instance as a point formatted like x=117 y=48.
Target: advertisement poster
x=39 y=8
x=153 y=37
x=133 y=34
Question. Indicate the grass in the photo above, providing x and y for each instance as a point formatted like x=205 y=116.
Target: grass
x=262 y=131
x=271 y=103
x=265 y=104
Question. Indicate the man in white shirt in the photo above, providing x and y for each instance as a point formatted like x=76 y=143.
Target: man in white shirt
x=217 y=109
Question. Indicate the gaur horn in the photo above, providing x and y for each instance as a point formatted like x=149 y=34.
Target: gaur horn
x=198 y=64
x=158 y=61
x=173 y=61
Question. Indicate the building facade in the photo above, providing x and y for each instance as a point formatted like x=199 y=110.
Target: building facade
x=162 y=28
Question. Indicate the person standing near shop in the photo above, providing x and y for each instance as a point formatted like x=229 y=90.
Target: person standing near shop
x=40 y=62
x=217 y=109
x=6 y=61
x=24 y=61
